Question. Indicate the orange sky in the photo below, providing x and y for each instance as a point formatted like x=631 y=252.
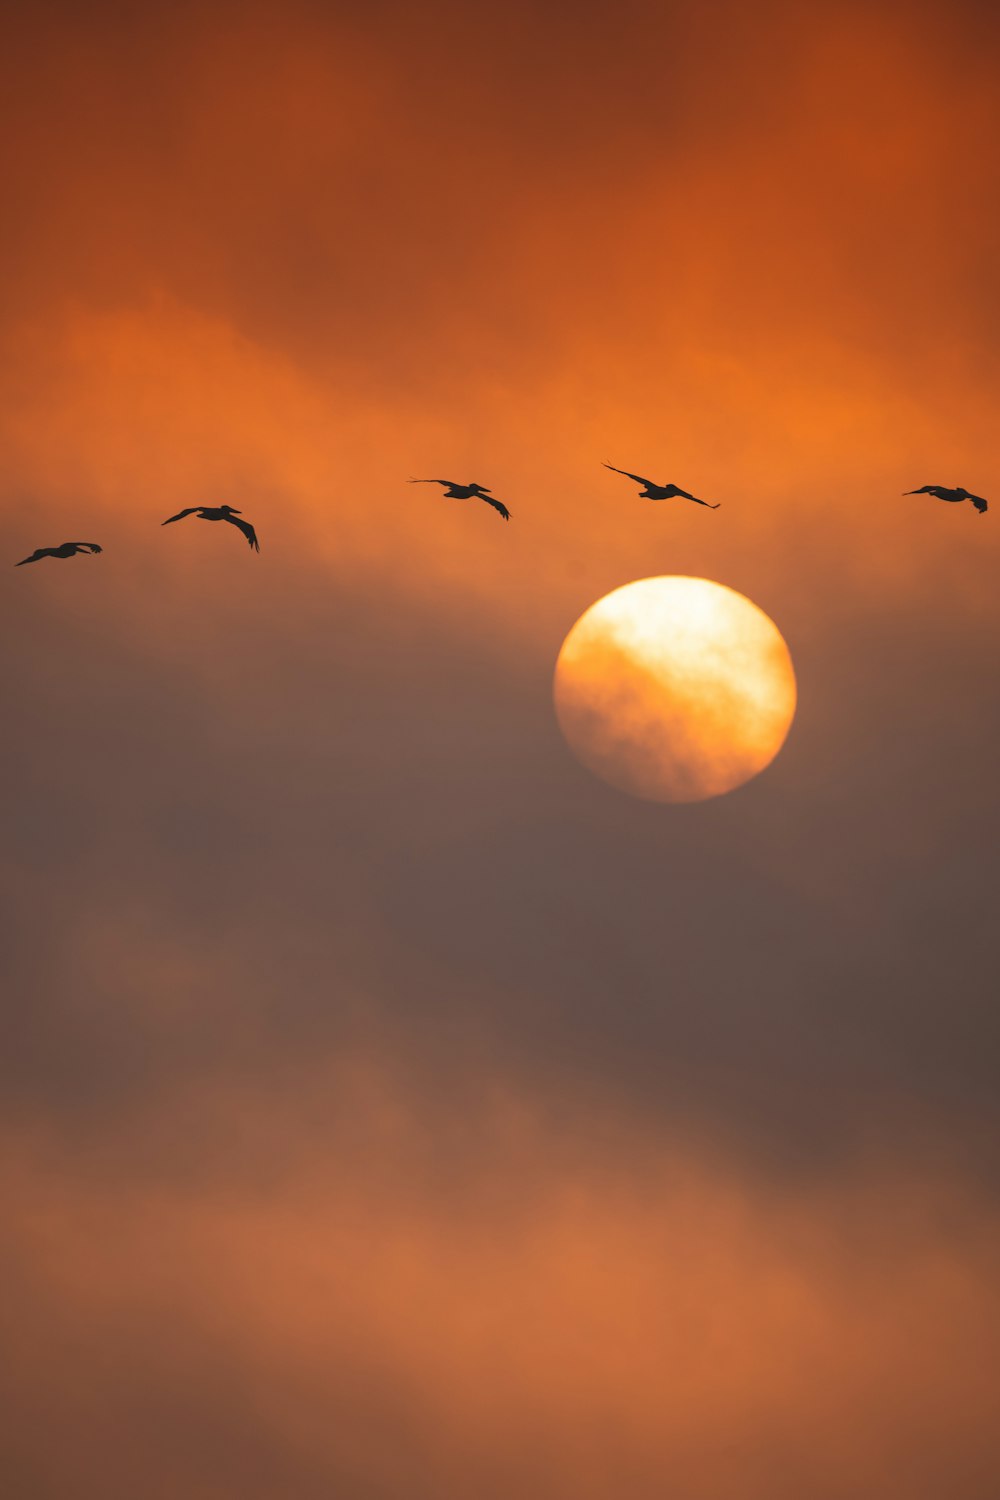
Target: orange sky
x=390 y=1109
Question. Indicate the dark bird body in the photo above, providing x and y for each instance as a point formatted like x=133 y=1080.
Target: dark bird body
x=454 y=491
x=66 y=549
x=941 y=492
x=219 y=513
x=653 y=491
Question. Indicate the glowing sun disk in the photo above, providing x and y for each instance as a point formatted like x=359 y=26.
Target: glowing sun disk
x=675 y=689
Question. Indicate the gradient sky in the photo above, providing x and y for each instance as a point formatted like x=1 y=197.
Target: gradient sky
x=390 y=1109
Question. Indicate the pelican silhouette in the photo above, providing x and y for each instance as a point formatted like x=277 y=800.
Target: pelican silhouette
x=660 y=491
x=454 y=491
x=941 y=492
x=218 y=513
x=66 y=549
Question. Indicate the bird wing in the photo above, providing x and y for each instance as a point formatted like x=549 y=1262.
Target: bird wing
x=925 y=489
x=39 y=552
x=247 y=531
x=87 y=546
x=649 y=483
x=192 y=510
x=497 y=505
x=450 y=483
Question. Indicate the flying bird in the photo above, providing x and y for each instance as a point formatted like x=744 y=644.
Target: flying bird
x=941 y=492
x=218 y=513
x=66 y=549
x=455 y=491
x=660 y=491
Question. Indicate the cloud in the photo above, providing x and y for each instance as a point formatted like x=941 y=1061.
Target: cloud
x=391 y=1108
x=429 y=1313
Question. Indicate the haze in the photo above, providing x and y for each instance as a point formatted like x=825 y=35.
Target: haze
x=390 y=1109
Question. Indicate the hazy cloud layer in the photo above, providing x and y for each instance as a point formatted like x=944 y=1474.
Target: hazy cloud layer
x=390 y=1108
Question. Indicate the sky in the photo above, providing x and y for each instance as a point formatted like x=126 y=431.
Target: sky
x=389 y=1108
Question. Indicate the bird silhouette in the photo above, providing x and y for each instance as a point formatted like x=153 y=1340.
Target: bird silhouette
x=660 y=491
x=218 y=513
x=454 y=491
x=941 y=492
x=66 y=549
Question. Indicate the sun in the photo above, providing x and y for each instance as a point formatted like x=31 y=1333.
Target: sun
x=675 y=689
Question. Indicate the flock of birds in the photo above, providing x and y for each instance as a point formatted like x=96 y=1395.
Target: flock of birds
x=454 y=491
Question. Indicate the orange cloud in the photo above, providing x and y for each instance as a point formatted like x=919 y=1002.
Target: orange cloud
x=510 y=1318
x=266 y=816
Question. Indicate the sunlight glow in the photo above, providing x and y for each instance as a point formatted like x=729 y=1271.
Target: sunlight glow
x=675 y=689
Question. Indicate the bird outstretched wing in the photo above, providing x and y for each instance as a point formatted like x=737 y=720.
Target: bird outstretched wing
x=649 y=483
x=247 y=531
x=449 y=483
x=38 y=553
x=87 y=546
x=684 y=495
x=192 y=510
x=497 y=505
